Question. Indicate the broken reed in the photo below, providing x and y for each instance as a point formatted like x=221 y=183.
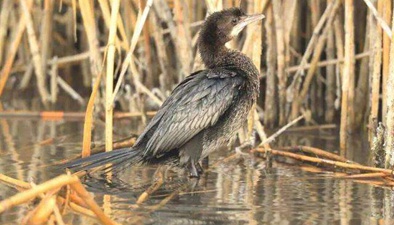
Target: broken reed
x=321 y=58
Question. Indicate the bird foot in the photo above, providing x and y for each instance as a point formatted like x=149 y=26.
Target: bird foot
x=194 y=172
x=238 y=150
x=248 y=144
x=199 y=168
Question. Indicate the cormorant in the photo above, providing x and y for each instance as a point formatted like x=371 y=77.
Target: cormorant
x=203 y=112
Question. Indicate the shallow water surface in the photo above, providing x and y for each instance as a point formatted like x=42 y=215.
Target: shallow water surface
x=240 y=191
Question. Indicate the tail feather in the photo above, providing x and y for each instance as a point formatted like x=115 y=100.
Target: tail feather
x=113 y=161
x=116 y=158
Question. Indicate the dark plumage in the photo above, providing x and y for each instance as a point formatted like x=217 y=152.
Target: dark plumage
x=203 y=112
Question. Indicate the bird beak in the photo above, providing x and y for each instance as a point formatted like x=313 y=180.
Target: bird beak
x=245 y=20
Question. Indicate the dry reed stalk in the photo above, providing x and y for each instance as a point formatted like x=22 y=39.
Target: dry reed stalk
x=95 y=58
x=334 y=163
x=366 y=175
x=294 y=87
x=153 y=188
x=122 y=31
x=183 y=40
x=376 y=44
x=76 y=207
x=382 y=23
x=211 y=6
x=18 y=184
x=270 y=106
x=110 y=76
x=46 y=35
x=89 y=24
x=165 y=67
x=66 y=198
x=290 y=8
x=313 y=127
x=74 y=197
x=281 y=60
x=315 y=93
x=28 y=195
x=347 y=110
x=339 y=42
x=107 y=209
x=121 y=28
x=73 y=58
x=43 y=210
x=214 y=5
x=318 y=152
x=128 y=60
x=246 y=47
x=61 y=62
x=26 y=77
x=387 y=5
x=195 y=24
x=295 y=96
x=330 y=78
x=53 y=81
x=105 y=9
x=149 y=79
x=319 y=47
x=58 y=215
x=68 y=89
x=389 y=138
x=74 y=19
x=35 y=52
x=260 y=130
x=163 y=11
x=383 y=183
x=5 y=71
x=330 y=62
x=362 y=90
x=281 y=130
x=311 y=169
x=256 y=58
x=166 y=199
x=127 y=13
x=87 y=198
x=6 y=7
x=87 y=126
x=338 y=33
x=120 y=115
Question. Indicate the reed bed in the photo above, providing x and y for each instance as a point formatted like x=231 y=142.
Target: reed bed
x=322 y=57
x=327 y=63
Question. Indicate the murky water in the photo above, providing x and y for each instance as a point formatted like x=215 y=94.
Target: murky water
x=242 y=191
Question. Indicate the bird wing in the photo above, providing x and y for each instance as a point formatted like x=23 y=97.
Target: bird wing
x=195 y=104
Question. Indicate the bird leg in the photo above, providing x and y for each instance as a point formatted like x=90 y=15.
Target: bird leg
x=248 y=144
x=245 y=145
x=193 y=170
x=199 y=168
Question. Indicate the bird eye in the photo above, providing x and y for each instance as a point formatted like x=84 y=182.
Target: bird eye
x=234 y=20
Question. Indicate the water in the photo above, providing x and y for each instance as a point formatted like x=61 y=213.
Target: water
x=242 y=191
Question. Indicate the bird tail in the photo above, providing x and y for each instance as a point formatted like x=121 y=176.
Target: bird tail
x=110 y=161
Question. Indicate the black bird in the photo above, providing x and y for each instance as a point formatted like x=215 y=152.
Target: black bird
x=203 y=112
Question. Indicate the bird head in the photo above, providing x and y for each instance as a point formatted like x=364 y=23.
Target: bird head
x=224 y=25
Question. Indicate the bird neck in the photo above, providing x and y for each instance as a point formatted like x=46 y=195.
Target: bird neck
x=215 y=54
x=212 y=54
x=212 y=47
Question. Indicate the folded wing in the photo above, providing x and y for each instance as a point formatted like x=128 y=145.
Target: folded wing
x=195 y=104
